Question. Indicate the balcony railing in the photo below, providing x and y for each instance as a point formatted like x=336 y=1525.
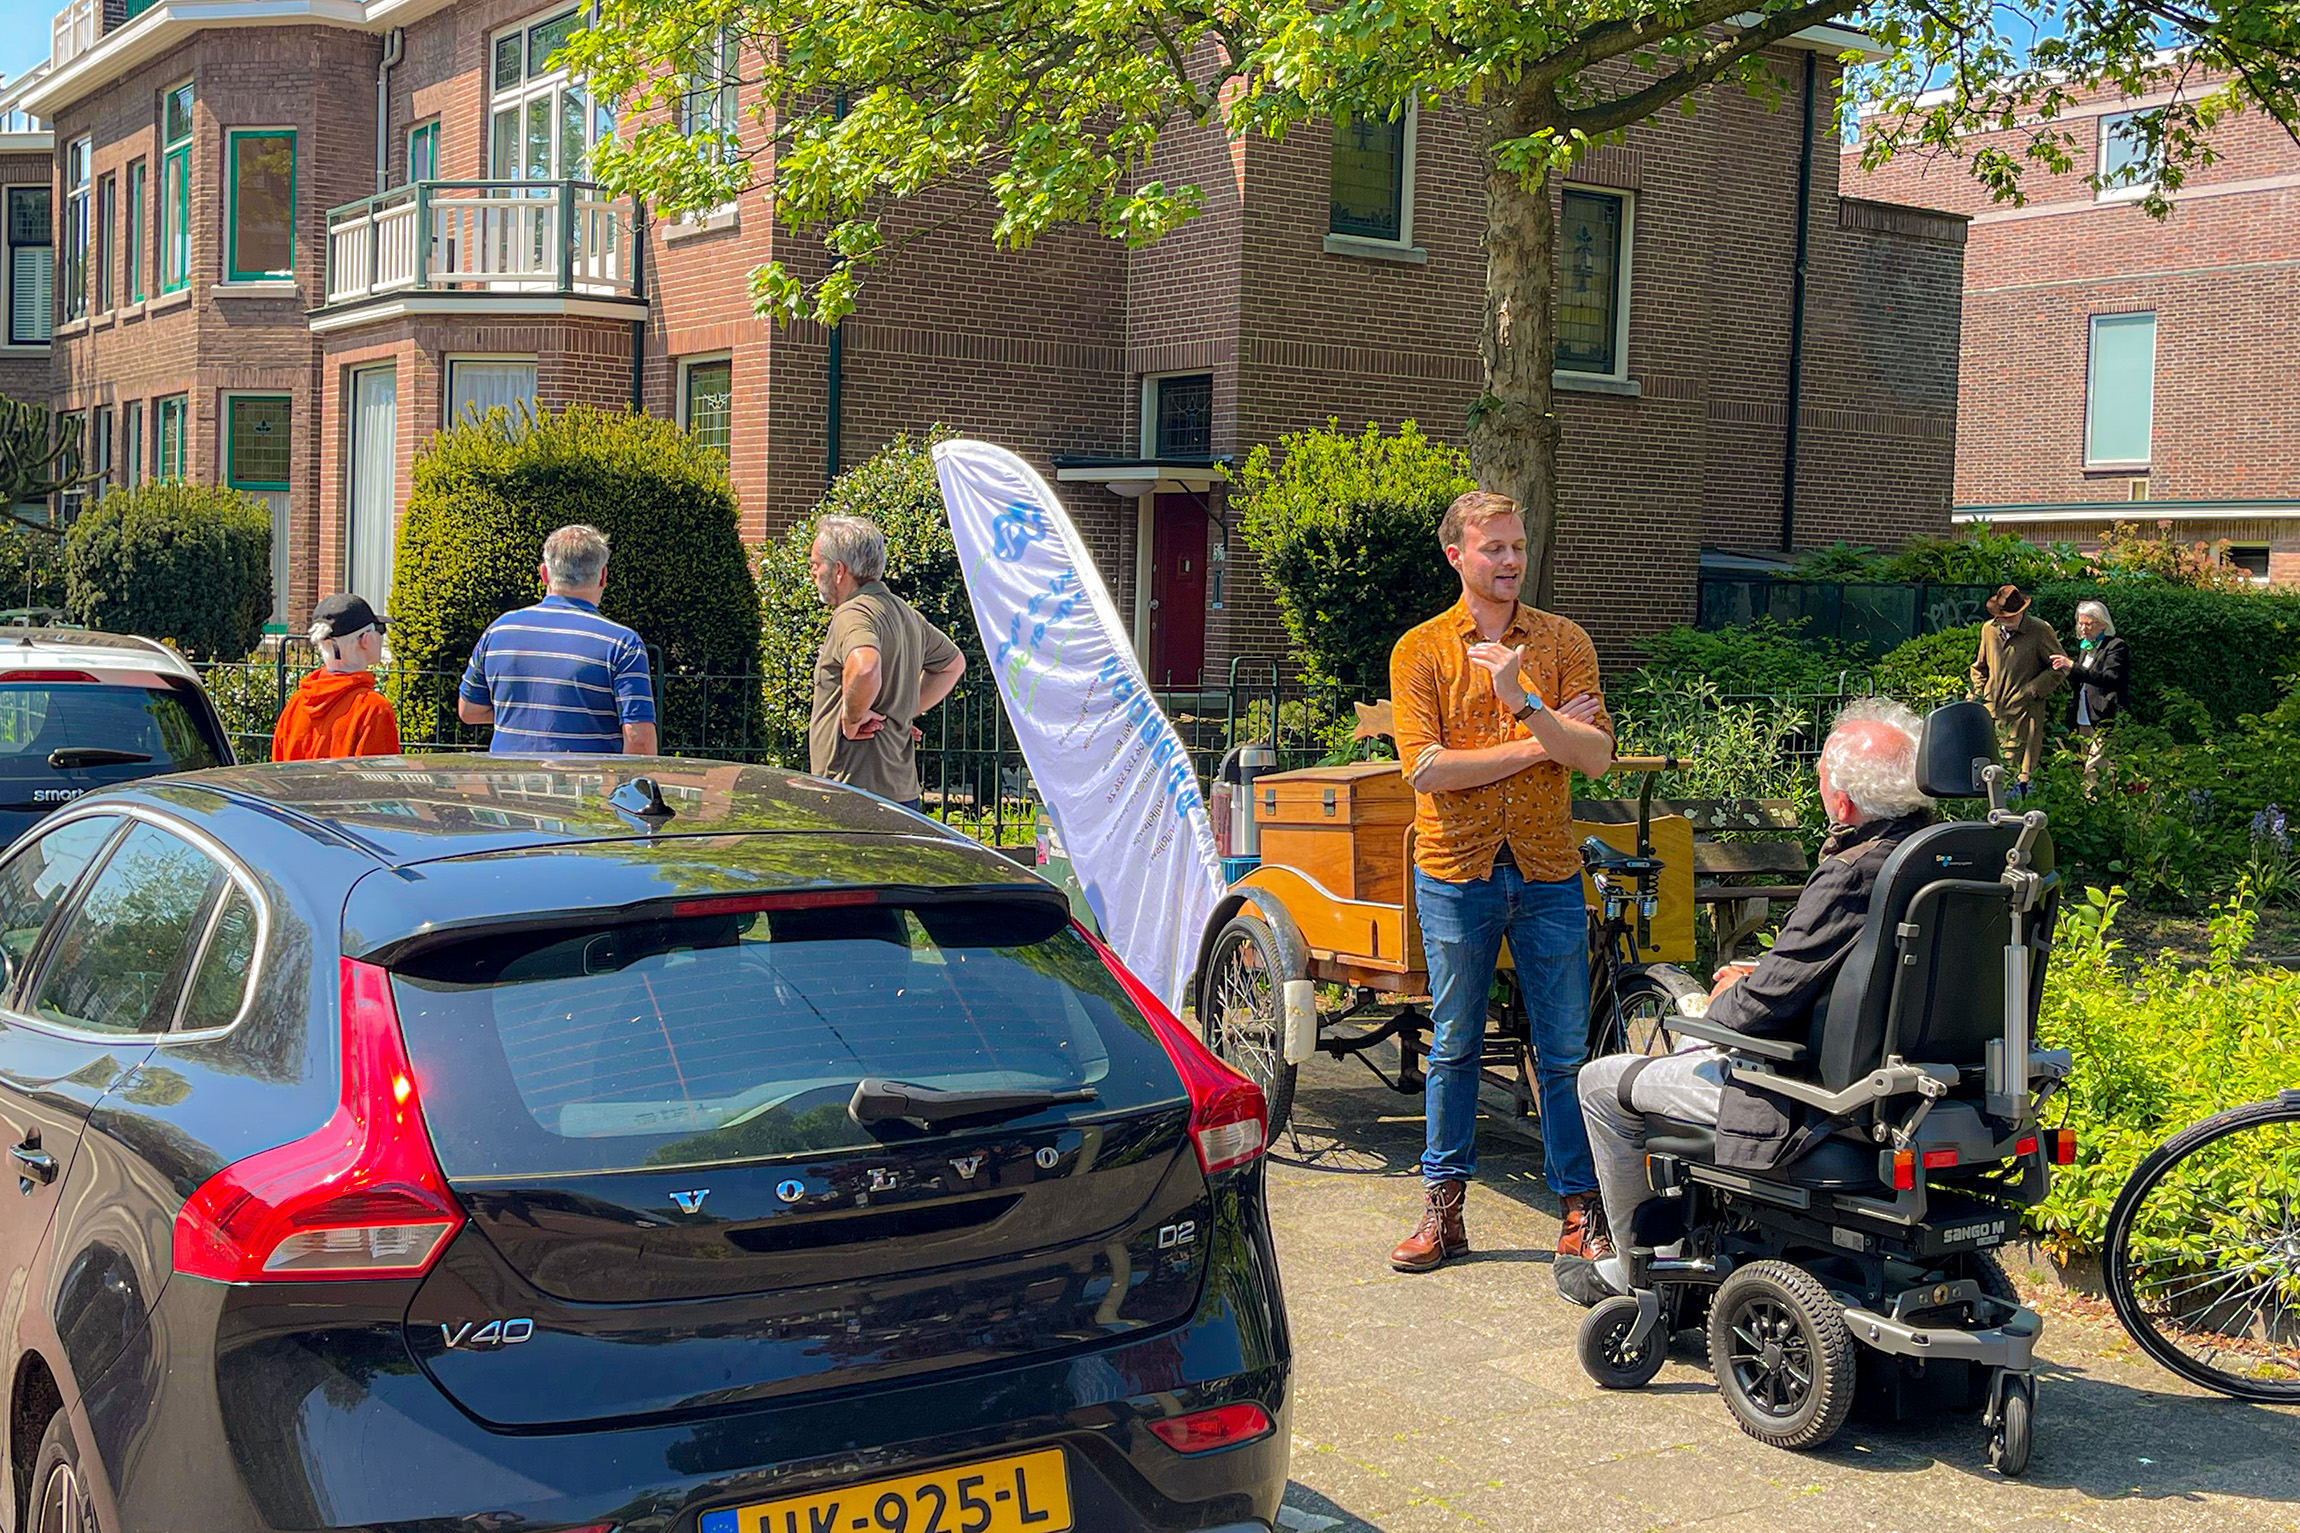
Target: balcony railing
x=481 y=237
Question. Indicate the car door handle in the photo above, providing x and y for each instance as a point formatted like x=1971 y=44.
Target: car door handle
x=33 y=1164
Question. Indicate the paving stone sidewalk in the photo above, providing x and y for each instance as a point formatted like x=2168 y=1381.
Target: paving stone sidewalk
x=1453 y=1400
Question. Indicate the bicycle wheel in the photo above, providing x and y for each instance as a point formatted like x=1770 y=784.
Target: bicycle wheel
x=1637 y=1021
x=1242 y=1010
x=2202 y=1258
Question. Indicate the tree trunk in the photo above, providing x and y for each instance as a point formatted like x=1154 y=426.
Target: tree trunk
x=1513 y=426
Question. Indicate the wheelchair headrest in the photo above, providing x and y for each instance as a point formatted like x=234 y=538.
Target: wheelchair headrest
x=1955 y=736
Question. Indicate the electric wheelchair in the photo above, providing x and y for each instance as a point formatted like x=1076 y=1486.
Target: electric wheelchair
x=1861 y=1265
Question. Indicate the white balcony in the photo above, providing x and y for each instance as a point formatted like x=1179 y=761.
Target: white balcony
x=482 y=239
x=73 y=32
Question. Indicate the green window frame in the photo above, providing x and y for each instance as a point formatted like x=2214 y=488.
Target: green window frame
x=132 y=241
x=261 y=243
x=423 y=152
x=710 y=403
x=176 y=189
x=132 y=443
x=173 y=416
x=257 y=432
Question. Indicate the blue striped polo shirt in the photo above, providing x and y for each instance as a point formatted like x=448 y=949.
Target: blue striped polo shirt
x=560 y=678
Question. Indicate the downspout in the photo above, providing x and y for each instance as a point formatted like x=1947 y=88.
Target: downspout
x=393 y=47
x=1797 y=316
x=639 y=291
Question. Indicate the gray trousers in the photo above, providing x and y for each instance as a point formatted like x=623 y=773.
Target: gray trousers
x=1688 y=1084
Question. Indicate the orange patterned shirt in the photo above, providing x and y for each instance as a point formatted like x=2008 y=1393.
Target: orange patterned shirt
x=1440 y=696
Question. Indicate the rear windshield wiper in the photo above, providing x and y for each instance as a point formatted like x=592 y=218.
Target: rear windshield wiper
x=883 y=1101
x=64 y=758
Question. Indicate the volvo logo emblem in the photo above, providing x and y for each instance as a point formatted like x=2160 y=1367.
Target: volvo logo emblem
x=691 y=1202
x=1048 y=1157
x=968 y=1166
x=791 y=1191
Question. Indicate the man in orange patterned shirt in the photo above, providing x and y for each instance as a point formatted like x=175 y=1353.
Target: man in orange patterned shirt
x=1496 y=704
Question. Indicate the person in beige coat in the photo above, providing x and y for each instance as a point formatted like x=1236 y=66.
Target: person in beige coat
x=2015 y=675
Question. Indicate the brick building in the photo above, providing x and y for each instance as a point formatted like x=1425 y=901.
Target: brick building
x=2110 y=358
x=382 y=220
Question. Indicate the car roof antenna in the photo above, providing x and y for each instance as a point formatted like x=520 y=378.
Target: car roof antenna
x=642 y=800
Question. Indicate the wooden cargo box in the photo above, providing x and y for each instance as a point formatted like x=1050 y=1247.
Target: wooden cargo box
x=1344 y=826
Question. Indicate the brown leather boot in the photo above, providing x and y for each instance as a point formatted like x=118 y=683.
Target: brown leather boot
x=1440 y=1234
x=1584 y=1232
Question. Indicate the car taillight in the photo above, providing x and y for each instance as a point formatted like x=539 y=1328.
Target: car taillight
x=1228 y=1118
x=362 y=1197
x=1225 y=1426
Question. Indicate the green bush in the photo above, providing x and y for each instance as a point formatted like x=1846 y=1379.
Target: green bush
x=485 y=495
x=1345 y=528
x=2226 y=651
x=2155 y=1050
x=1734 y=750
x=1979 y=556
x=897 y=489
x=188 y=563
x=31 y=567
x=1764 y=659
x=1931 y=669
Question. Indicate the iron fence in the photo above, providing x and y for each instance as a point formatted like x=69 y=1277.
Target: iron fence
x=1871 y=616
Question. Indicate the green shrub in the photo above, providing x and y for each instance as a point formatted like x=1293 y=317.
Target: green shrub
x=1345 y=528
x=1979 y=556
x=1733 y=750
x=1764 y=659
x=2155 y=1051
x=485 y=495
x=897 y=489
x=2228 y=651
x=1931 y=669
x=31 y=567
x=188 y=563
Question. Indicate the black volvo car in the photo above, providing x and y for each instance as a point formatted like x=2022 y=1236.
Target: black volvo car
x=482 y=1144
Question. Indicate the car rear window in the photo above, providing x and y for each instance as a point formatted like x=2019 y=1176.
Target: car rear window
x=37 y=720
x=734 y=1037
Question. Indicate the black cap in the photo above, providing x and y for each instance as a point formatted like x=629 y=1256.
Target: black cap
x=347 y=613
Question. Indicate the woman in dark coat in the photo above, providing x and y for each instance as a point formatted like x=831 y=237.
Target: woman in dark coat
x=2101 y=670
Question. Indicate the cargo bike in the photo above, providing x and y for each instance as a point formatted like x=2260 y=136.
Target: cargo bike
x=1316 y=948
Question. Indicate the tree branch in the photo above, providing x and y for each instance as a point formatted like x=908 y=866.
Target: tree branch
x=1611 y=39
x=1701 y=69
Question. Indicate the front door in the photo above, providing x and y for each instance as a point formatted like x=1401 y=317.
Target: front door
x=1177 y=591
x=374 y=490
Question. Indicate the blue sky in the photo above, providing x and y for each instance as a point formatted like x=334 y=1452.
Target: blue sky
x=24 y=34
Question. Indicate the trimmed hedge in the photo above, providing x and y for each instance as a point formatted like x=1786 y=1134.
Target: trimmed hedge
x=488 y=491
x=31 y=567
x=187 y=563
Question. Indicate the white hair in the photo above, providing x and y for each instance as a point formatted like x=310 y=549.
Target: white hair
x=855 y=543
x=575 y=555
x=329 y=645
x=1875 y=767
x=2098 y=613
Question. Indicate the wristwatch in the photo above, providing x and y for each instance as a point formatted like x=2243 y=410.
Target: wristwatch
x=1533 y=705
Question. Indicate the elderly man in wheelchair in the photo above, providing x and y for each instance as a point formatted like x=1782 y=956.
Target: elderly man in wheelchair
x=1822 y=1170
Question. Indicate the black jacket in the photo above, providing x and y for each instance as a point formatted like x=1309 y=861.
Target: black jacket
x=1778 y=997
x=2102 y=676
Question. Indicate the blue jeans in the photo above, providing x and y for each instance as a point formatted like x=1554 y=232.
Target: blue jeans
x=1548 y=930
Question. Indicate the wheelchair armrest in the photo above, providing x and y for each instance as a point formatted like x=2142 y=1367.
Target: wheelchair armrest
x=1780 y=1050
x=1894 y=1079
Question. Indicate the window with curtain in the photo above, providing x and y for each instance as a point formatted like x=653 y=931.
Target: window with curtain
x=133 y=223
x=132 y=443
x=176 y=188
x=711 y=403
x=168 y=437
x=2120 y=389
x=479 y=385
x=76 y=193
x=1592 y=238
x=374 y=481
x=1368 y=178
x=31 y=267
x=262 y=228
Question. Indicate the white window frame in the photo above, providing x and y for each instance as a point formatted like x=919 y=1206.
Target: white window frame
x=2132 y=191
x=8 y=251
x=1403 y=247
x=455 y=359
x=1150 y=382
x=1624 y=293
x=551 y=84
x=2092 y=382
x=687 y=365
x=79 y=202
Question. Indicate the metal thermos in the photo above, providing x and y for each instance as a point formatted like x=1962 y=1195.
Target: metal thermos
x=1253 y=760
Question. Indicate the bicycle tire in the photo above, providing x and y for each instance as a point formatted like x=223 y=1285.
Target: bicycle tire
x=1241 y=1009
x=2181 y=1301
x=1643 y=996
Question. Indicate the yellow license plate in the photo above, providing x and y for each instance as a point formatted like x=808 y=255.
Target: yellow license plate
x=1028 y=1493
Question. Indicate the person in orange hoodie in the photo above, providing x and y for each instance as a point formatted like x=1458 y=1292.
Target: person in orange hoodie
x=337 y=711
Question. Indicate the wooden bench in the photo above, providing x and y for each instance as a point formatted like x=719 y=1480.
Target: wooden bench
x=1723 y=870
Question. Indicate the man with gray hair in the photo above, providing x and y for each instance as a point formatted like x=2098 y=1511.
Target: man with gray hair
x=881 y=667
x=557 y=678
x=1868 y=781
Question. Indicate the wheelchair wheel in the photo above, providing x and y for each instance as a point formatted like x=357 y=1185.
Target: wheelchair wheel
x=2202 y=1256
x=1242 y=1009
x=1783 y=1357
x=2016 y=1427
x=1606 y=1355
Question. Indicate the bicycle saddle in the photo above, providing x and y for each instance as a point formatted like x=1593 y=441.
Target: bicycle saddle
x=1599 y=855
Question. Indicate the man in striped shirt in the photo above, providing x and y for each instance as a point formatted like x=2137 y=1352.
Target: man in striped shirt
x=557 y=678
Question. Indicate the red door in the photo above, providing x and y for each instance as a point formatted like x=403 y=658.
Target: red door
x=1177 y=592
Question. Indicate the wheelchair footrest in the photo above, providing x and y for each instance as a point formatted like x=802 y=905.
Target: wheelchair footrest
x=2009 y=1345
